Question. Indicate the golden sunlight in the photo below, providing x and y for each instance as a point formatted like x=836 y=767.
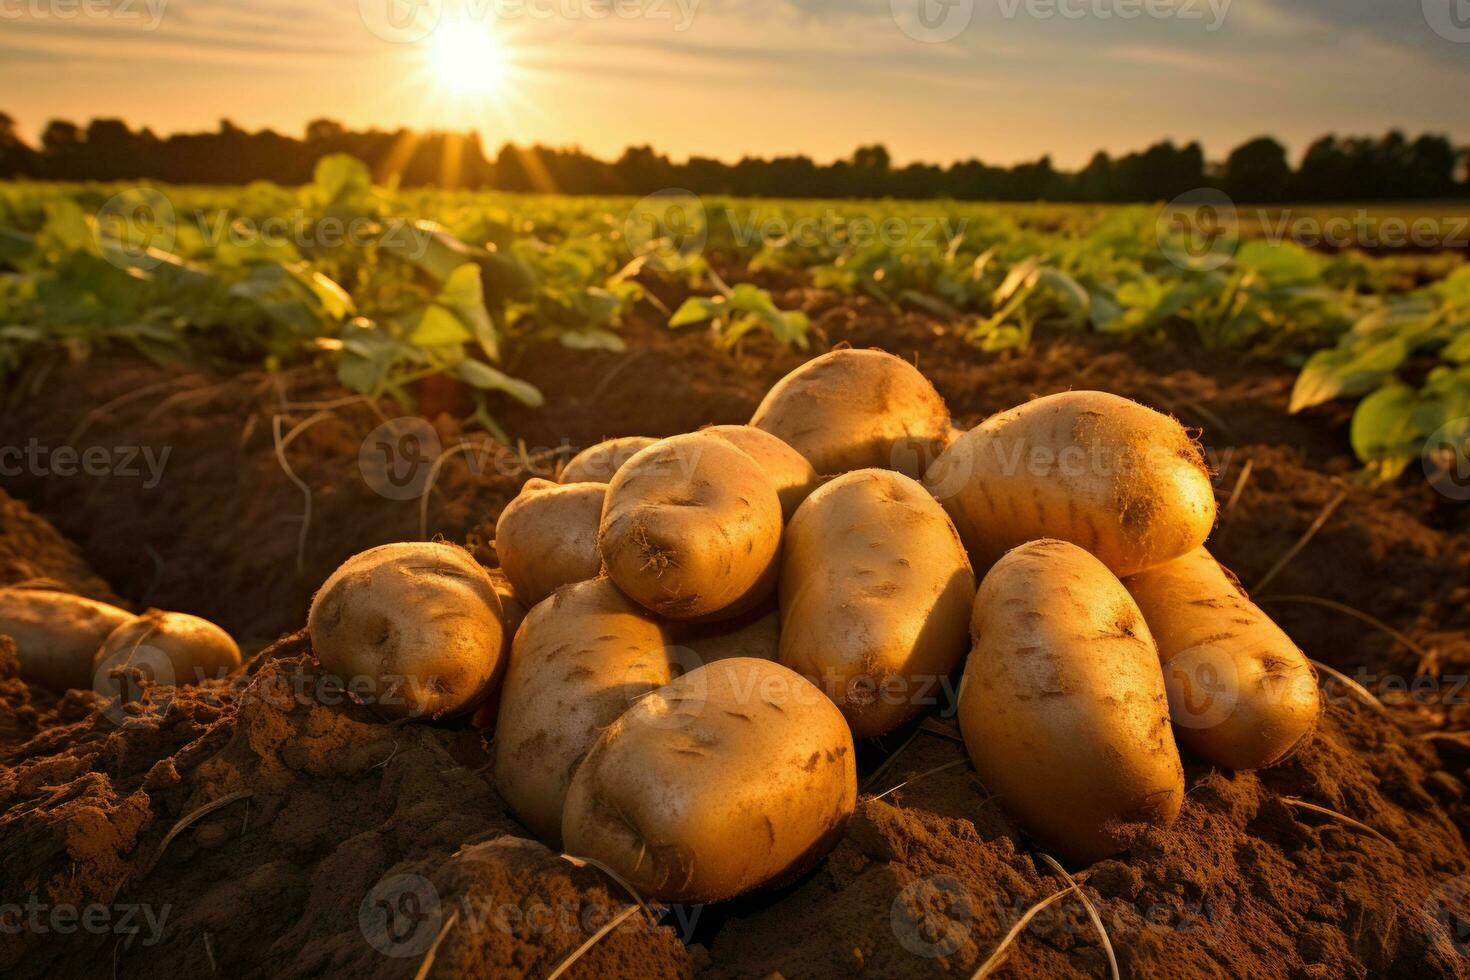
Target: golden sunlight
x=467 y=58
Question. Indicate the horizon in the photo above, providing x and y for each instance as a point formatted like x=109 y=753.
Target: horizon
x=1002 y=81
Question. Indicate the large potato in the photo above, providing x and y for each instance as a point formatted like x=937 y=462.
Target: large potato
x=1062 y=706
x=1240 y=692
x=547 y=537
x=875 y=593
x=788 y=470
x=854 y=409
x=599 y=463
x=416 y=628
x=175 y=647
x=692 y=528
x=57 y=634
x=1100 y=471
x=580 y=659
x=735 y=776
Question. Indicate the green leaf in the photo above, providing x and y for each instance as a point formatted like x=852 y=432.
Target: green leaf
x=464 y=294
x=438 y=326
x=1344 y=372
x=697 y=309
x=487 y=378
x=593 y=338
x=340 y=176
x=1458 y=350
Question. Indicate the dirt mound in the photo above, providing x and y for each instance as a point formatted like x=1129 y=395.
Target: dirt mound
x=266 y=829
x=33 y=553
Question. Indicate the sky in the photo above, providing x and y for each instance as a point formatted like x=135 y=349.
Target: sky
x=934 y=80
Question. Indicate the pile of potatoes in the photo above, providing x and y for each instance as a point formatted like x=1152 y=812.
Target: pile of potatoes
x=66 y=642
x=686 y=635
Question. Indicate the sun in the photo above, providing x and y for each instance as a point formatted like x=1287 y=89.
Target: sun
x=468 y=59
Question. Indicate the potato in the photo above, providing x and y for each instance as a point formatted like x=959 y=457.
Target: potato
x=756 y=634
x=875 y=593
x=580 y=660
x=1240 y=692
x=599 y=463
x=415 y=628
x=57 y=634
x=1100 y=471
x=1062 y=706
x=177 y=648
x=547 y=537
x=736 y=776
x=854 y=409
x=692 y=529
x=788 y=470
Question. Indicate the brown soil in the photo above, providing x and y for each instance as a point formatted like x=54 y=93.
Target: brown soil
x=927 y=879
x=34 y=555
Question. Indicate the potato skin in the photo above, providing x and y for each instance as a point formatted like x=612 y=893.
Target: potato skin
x=547 y=537
x=736 y=776
x=580 y=660
x=788 y=470
x=856 y=409
x=57 y=634
x=1062 y=706
x=692 y=529
x=421 y=620
x=196 y=649
x=876 y=592
x=600 y=463
x=1100 y=471
x=1241 y=694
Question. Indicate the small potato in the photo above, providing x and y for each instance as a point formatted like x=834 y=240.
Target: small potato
x=547 y=537
x=788 y=470
x=177 y=648
x=580 y=660
x=854 y=409
x=600 y=463
x=1062 y=706
x=1105 y=473
x=692 y=529
x=876 y=593
x=419 y=621
x=1240 y=692
x=736 y=776
x=57 y=634
x=756 y=634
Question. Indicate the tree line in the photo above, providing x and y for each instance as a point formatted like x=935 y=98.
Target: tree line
x=1331 y=169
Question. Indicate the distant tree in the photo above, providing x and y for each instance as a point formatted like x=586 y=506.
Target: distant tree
x=1258 y=171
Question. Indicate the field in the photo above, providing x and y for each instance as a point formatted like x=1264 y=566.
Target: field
x=232 y=357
